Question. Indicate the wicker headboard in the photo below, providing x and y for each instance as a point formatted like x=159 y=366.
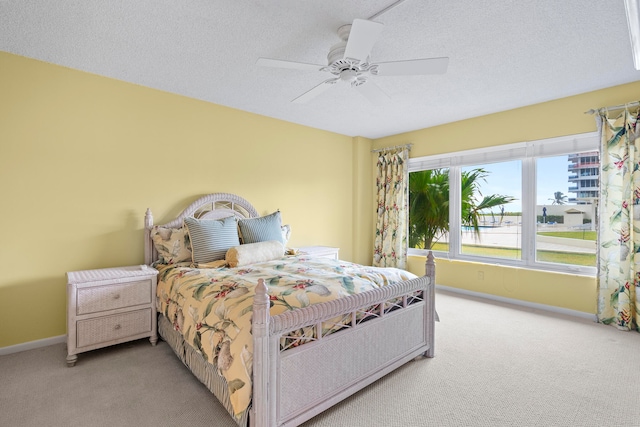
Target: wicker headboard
x=211 y=206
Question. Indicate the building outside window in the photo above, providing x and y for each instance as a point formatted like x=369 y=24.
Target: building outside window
x=584 y=177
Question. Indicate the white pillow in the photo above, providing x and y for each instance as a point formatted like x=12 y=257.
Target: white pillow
x=251 y=253
x=286 y=234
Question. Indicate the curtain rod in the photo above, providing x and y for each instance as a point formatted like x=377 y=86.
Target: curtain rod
x=615 y=107
x=392 y=148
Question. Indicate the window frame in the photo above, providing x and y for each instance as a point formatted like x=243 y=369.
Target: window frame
x=527 y=152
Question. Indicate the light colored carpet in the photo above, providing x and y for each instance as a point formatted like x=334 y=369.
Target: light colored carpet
x=495 y=365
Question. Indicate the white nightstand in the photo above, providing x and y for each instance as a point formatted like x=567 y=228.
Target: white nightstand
x=320 y=251
x=110 y=306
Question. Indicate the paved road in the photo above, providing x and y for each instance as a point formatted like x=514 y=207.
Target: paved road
x=511 y=236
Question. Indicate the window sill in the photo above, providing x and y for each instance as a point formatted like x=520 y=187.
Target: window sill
x=553 y=268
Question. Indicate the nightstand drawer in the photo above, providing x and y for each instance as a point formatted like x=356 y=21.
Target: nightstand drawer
x=110 y=328
x=109 y=297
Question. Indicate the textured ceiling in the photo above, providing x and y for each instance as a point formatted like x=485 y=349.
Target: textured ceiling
x=503 y=54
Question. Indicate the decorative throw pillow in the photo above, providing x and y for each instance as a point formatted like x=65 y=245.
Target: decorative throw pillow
x=286 y=233
x=252 y=253
x=262 y=229
x=211 y=238
x=173 y=244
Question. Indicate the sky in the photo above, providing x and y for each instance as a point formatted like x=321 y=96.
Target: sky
x=505 y=179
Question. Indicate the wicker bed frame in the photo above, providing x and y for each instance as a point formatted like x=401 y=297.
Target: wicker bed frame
x=285 y=391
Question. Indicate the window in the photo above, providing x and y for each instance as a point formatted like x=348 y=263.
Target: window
x=490 y=209
x=429 y=225
x=565 y=225
x=530 y=204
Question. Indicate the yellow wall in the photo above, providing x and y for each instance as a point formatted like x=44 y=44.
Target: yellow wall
x=550 y=119
x=82 y=157
x=363 y=200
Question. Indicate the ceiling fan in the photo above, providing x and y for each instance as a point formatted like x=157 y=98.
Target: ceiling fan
x=349 y=62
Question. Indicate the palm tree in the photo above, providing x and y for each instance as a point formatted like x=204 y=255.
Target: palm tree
x=429 y=204
x=558 y=198
x=428 y=207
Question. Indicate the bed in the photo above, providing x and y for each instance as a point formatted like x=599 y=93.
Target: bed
x=294 y=362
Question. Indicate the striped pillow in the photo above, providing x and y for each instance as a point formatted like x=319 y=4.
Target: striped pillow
x=211 y=238
x=263 y=229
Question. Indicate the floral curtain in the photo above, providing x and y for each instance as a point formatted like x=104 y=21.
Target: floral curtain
x=619 y=220
x=392 y=183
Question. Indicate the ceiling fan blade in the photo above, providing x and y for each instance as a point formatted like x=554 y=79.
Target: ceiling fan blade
x=413 y=67
x=317 y=90
x=373 y=93
x=279 y=63
x=363 y=35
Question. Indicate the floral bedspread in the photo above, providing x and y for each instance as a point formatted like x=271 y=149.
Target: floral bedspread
x=212 y=308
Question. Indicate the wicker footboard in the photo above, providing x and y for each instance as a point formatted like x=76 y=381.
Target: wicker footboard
x=293 y=385
x=298 y=393
x=203 y=370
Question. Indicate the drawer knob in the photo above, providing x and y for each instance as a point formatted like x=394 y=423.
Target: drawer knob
x=117 y=327
x=116 y=296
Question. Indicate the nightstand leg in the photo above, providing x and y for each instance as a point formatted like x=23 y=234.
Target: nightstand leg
x=153 y=339
x=71 y=360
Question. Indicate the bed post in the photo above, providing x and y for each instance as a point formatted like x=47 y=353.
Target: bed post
x=430 y=271
x=260 y=331
x=148 y=247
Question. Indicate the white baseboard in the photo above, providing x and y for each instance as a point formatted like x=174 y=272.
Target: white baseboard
x=32 y=344
x=544 y=307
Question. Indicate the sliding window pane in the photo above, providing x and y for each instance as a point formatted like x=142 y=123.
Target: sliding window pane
x=491 y=208
x=567 y=191
x=429 y=209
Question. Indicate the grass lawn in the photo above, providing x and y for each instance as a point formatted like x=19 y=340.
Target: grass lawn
x=582 y=235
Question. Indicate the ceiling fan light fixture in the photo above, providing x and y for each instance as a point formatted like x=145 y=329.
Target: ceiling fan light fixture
x=632 y=8
x=348 y=75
